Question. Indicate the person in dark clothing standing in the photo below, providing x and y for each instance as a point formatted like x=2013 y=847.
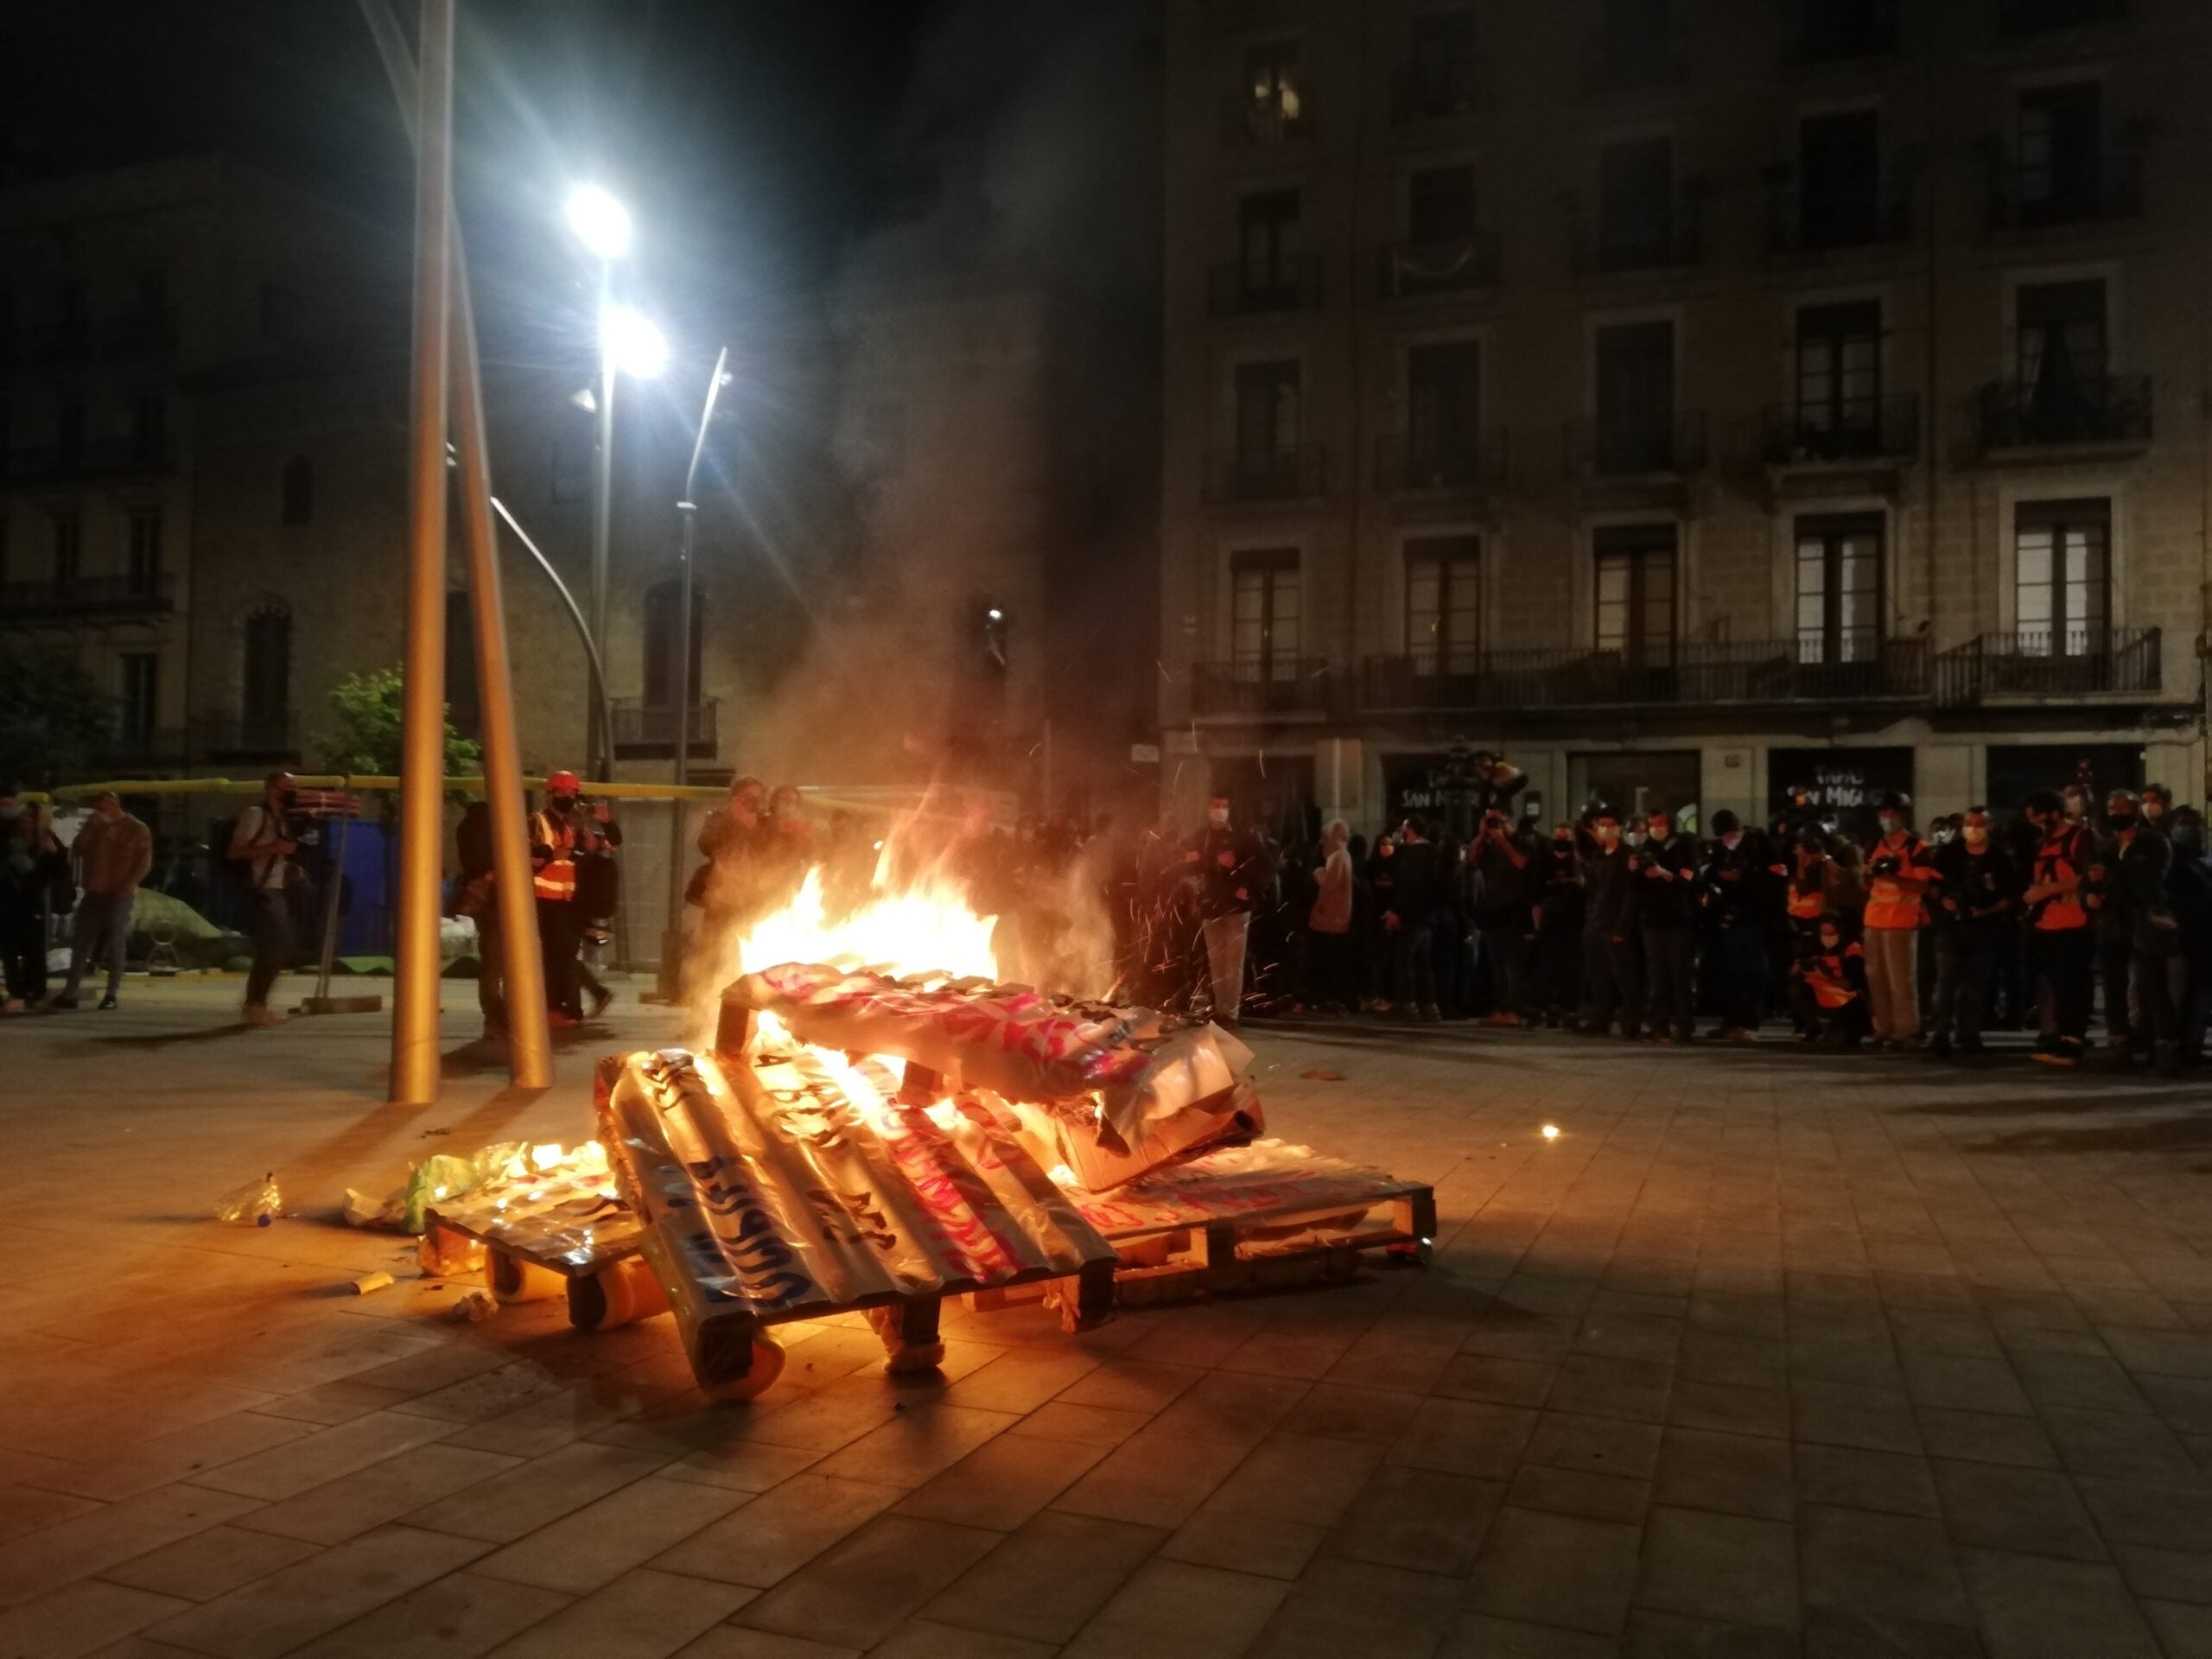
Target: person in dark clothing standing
x=264 y=840
x=1417 y=890
x=1976 y=904
x=1664 y=907
x=1737 y=894
x=34 y=874
x=1503 y=860
x=1559 y=919
x=1613 y=956
x=2062 y=949
x=2139 y=938
x=1232 y=867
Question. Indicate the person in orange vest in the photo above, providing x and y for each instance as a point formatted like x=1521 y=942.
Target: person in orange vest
x=1827 y=987
x=564 y=832
x=2062 y=949
x=1898 y=872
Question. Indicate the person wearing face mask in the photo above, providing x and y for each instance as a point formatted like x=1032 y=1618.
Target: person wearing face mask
x=2062 y=949
x=2157 y=807
x=112 y=853
x=2188 y=893
x=1503 y=863
x=1665 y=905
x=561 y=836
x=1736 y=900
x=264 y=841
x=1827 y=987
x=1976 y=915
x=1559 y=920
x=34 y=874
x=1897 y=874
x=2139 y=938
x=1381 y=881
x=1613 y=956
x=1230 y=866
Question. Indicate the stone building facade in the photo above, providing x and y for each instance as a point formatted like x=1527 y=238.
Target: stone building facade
x=1691 y=398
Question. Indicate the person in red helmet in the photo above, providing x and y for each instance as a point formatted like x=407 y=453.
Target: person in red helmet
x=564 y=838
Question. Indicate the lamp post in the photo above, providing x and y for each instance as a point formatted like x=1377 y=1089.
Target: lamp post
x=671 y=947
x=603 y=224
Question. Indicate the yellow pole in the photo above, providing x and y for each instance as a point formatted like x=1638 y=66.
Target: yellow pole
x=422 y=802
x=530 y=1038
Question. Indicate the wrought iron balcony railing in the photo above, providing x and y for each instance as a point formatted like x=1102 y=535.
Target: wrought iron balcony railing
x=2061 y=409
x=1262 y=685
x=148 y=454
x=1609 y=447
x=2109 y=188
x=1852 y=668
x=1861 y=429
x=643 y=729
x=1246 y=120
x=1407 y=271
x=1665 y=234
x=2081 y=661
x=1468 y=461
x=1293 y=474
x=1240 y=290
x=1799 y=223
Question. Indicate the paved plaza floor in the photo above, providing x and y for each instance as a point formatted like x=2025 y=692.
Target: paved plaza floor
x=1768 y=1352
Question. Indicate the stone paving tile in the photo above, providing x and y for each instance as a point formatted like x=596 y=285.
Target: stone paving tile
x=780 y=1531
x=178 y=1455
x=458 y=1616
x=1002 y=1483
x=643 y=1614
x=2034 y=1511
x=81 y=1618
x=89 y=1544
x=209 y=1564
x=1174 y=1610
x=1043 y=1583
x=857 y=1593
x=400 y=1485
x=1151 y=1479
x=626 y=1528
x=2032 y=1607
x=1864 y=1562
x=323 y=1456
x=1555 y=1569
x=1418 y=1518
x=33 y=1509
x=527 y=1497
x=1268 y=1547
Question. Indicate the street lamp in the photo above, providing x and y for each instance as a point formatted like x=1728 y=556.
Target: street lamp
x=632 y=344
x=603 y=224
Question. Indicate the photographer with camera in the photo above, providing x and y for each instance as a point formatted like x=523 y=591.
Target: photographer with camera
x=1898 y=873
x=1665 y=906
x=564 y=838
x=1501 y=858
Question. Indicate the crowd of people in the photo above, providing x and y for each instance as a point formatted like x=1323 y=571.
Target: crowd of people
x=1634 y=927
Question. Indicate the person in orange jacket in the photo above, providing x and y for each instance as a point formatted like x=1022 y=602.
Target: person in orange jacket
x=1898 y=872
x=2062 y=949
x=1827 y=987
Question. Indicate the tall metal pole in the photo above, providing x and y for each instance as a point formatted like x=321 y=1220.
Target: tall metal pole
x=421 y=770
x=530 y=1050
x=602 y=511
x=671 y=944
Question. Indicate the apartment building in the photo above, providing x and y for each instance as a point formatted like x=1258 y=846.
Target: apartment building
x=1689 y=399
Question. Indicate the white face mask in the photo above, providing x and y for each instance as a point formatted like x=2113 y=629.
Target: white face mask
x=1217 y=817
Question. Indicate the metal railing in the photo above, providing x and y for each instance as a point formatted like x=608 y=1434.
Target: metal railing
x=1856 y=668
x=73 y=596
x=1407 y=270
x=2035 y=16
x=1666 y=234
x=1874 y=428
x=1291 y=283
x=1602 y=448
x=643 y=729
x=1246 y=120
x=1276 y=475
x=2030 y=198
x=1276 y=685
x=2047 y=662
x=1458 y=461
x=270 y=735
x=2056 y=410
x=95 y=458
x=1798 y=223
x=1432 y=92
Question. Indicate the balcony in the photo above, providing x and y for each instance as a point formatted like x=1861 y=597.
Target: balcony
x=1433 y=91
x=2112 y=411
x=2106 y=189
x=1472 y=461
x=136 y=456
x=1664 y=235
x=1843 y=31
x=1857 y=669
x=2041 y=664
x=1294 y=474
x=1798 y=226
x=2018 y=18
x=1821 y=435
x=1279 y=685
x=1284 y=119
x=268 y=738
x=1406 y=270
x=646 y=731
x=1236 y=289
x=1604 y=448
x=77 y=598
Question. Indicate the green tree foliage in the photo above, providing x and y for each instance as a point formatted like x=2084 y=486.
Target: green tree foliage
x=365 y=739
x=53 y=717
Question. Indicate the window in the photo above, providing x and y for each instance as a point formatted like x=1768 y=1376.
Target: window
x=1839 y=170
x=69 y=549
x=1267 y=233
x=143 y=551
x=1840 y=378
x=1635 y=204
x=1635 y=398
x=1274 y=105
x=1264 y=615
x=138 y=695
x=575 y=446
x=1440 y=205
x=1443 y=393
x=69 y=435
x=1440 y=75
x=149 y=419
x=1635 y=594
x=295 y=492
x=2062 y=363
x=2061 y=168
x=1268 y=425
x=464 y=696
x=1839 y=588
x=1444 y=604
x=663 y=602
x=266 y=680
x=2062 y=577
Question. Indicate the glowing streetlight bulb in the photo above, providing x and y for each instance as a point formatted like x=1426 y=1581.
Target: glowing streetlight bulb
x=633 y=345
x=601 y=223
x=1551 y=1131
